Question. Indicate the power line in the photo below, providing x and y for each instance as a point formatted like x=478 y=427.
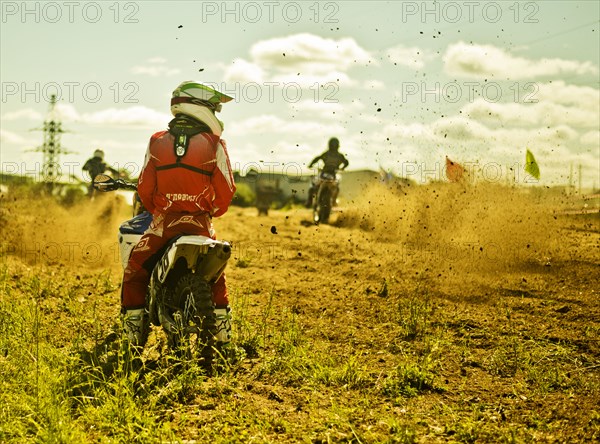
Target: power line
x=551 y=36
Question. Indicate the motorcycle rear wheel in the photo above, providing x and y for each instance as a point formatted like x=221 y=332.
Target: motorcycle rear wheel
x=195 y=320
x=323 y=207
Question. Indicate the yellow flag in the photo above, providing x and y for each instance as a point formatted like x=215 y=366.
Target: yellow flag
x=531 y=165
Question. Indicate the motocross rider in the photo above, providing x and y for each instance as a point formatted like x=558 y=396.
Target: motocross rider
x=95 y=165
x=185 y=182
x=332 y=159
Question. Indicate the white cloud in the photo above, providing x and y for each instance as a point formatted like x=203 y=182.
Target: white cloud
x=138 y=116
x=134 y=116
x=241 y=70
x=111 y=144
x=338 y=111
x=326 y=80
x=155 y=71
x=155 y=67
x=26 y=113
x=401 y=132
x=477 y=61
x=497 y=149
x=591 y=138
x=67 y=111
x=309 y=52
x=303 y=59
x=461 y=131
x=271 y=124
x=552 y=104
x=10 y=137
x=242 y=73
x=329 y=110
x=559 y=92
x=157 y=60
x=411 y=57
x=544 y=113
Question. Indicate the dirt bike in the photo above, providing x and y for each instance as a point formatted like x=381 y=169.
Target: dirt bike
x=324 y=201
x=179 y=297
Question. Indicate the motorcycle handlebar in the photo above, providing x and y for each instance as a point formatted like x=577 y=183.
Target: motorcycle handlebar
x=126 y=185
x=103 y=182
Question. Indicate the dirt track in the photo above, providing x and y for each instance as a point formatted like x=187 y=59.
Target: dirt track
x=499 y=300
x=451 y=314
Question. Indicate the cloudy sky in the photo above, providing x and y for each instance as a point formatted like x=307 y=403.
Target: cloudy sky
x=401 y=84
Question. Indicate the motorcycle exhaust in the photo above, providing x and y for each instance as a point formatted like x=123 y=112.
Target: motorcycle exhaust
x=211 y=265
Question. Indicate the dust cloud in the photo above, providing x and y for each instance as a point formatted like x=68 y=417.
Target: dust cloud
x=477 y=226
x=38 y=230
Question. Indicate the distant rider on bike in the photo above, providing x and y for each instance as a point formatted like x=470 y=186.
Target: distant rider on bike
x=185 y=182
x=332 y=159
x=96 y=165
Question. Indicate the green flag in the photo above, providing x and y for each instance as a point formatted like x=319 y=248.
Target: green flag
x=531 y=165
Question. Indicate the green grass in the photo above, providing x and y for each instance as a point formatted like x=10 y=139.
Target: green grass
x=401 y=378
x=34 y=387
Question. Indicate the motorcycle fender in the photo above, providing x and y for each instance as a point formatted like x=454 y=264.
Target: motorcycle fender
x=188 y=247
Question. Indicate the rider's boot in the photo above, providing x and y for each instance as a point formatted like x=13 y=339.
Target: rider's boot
x=223 y=317
x=309 y=200
x=135 y=327
x=226 y=348
x=334 y=196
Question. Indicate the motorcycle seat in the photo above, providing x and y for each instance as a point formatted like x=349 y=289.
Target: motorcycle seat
x=137 y=225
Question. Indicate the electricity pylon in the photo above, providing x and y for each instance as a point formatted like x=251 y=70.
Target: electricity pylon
x=51 y=147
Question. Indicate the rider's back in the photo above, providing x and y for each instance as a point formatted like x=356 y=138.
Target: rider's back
x=189 y=184
x=332 y=161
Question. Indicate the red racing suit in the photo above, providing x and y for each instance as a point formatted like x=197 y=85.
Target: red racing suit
x=183 y=194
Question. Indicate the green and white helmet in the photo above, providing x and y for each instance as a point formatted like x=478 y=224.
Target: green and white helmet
x=200 y=102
